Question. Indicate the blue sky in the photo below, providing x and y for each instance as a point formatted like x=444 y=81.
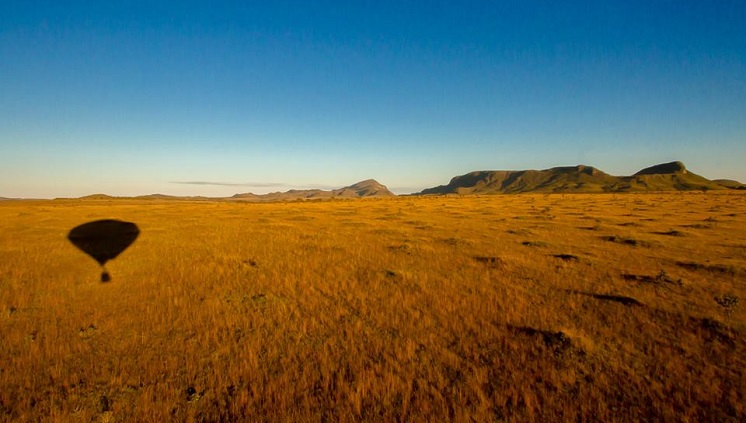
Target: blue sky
x=139 y=97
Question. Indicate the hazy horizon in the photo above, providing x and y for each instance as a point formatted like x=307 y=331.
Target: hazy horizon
x=136 y=99
x=228 y=189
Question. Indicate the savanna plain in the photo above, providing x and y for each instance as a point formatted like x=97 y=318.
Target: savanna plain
x=530 y=307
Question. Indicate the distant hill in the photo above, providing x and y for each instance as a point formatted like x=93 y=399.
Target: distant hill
x=173 y=197
x=97 y=197
x=139 y=197
x=673 y=176
x=729 y=183
x=367 y=188
x=664 y=169
x=157 y=197
x=663 y=177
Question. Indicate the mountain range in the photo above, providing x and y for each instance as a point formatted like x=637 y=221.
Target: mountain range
x=367 y=188
x=672 y=176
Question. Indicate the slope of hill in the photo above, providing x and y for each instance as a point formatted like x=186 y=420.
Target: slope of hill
x=664 y=177
x=729 y=183
x=664 y=169
x=672 y=176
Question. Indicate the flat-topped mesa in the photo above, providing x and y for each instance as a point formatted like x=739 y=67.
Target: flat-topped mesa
x=663 y=169
x=556 y=179
x=581 y=178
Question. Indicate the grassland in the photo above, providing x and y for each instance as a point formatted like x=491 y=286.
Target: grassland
x=610 y=307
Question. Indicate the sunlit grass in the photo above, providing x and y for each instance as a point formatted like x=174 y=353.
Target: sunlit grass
x=403 y=309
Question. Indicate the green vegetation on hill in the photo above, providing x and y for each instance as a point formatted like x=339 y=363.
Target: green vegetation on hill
x=664 y=177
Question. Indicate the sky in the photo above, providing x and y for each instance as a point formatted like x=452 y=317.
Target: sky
x=217 y=98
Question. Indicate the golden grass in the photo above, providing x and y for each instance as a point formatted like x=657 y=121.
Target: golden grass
x=492 y=308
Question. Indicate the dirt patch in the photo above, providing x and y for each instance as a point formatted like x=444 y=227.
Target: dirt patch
x=403 y=248
x=627 y=301
x=393 y=276
x=558 y=342
x=672 y=232
x=627 y=241
x=523 y=232
x=716 y=331
x=455 y=242
x=491 y=262
x=566 y=257
x=630 y=224
x=714 y=268
x=659 y=279
x=698 y=226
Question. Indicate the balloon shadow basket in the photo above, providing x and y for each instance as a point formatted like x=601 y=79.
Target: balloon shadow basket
x=104 y=240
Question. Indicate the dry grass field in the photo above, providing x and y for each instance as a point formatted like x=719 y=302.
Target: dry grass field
x=600 y=307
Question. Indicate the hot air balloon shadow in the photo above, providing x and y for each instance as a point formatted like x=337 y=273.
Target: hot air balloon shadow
x=104 y=240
